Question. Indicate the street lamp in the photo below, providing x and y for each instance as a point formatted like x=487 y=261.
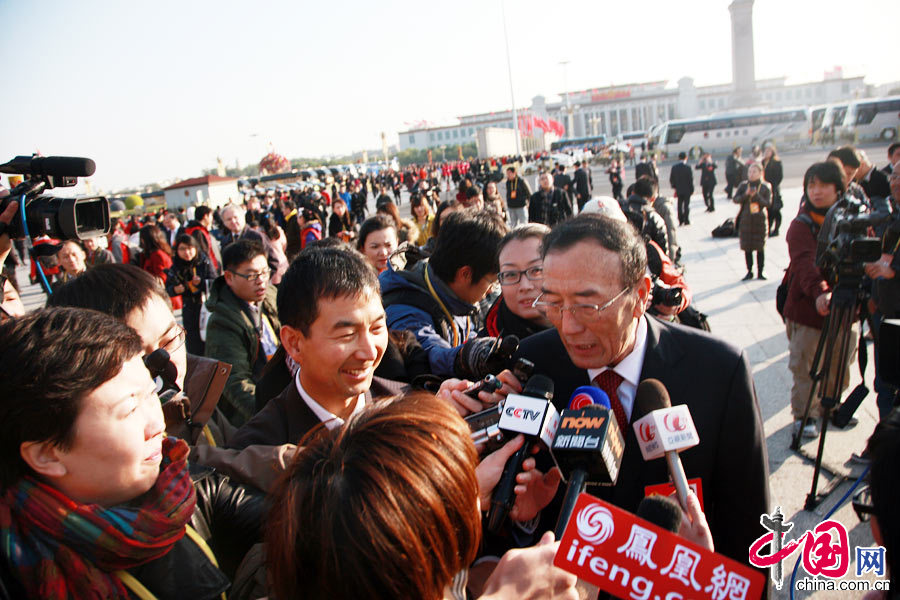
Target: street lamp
x=564 y=64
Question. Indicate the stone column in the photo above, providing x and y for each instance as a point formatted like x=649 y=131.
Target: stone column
x=742 y=61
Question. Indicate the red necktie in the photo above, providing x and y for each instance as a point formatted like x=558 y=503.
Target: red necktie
x=609 y=381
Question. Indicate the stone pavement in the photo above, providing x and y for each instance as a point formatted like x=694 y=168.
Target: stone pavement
x=744 y=314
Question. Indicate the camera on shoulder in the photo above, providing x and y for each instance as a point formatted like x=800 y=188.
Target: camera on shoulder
x=60 y=218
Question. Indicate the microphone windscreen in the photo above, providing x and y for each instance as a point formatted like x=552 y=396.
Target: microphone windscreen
x=586 y=395
x=651 y=395
x=508 y=345
x=662 y=511
x=539 y=386
x=74 y=166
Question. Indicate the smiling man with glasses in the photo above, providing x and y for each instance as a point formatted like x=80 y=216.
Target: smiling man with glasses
x=595 y=291
x=243 y=324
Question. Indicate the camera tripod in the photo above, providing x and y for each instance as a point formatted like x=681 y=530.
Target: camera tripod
x=834 y=342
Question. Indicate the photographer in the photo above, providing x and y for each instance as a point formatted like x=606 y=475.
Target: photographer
x=809 y=293
x=755 y=197
x=886 y=291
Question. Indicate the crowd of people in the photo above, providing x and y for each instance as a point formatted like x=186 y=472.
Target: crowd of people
x=301 y=432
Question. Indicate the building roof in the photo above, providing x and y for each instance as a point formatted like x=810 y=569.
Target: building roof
x=195 y=181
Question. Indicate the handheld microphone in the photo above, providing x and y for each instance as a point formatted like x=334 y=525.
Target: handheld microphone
x=587 y=448
x=663 y=429
x=162 y=369
x=53 y=166
x=532 y=413
x=588 y=394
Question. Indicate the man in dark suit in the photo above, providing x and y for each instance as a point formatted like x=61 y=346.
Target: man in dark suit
x=582 y=184
x=682 y=180
x=893 y=158
x=594 y=292
x=549 y=205
x=645 y=168
x=335 y=333
x=564 y=182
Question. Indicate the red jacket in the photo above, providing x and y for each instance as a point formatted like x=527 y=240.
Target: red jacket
x=157 y=264
x=805 y=279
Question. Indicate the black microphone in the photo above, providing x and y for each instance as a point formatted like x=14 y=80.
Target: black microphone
x=664 y=429
x=160 y=365
x=587 y=447
x=53 y=166
x=662 y=511
x=531 y=413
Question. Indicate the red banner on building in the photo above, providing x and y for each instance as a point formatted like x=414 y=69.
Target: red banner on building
x=629 y=557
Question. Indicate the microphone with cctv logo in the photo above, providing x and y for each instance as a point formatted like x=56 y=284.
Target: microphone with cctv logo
x=587 y=448
x=531 y=413
x=663 y=429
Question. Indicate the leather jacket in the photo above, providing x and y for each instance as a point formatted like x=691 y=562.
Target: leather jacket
x=227 y=516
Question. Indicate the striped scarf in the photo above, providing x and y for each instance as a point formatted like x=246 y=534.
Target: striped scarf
x=59 y=548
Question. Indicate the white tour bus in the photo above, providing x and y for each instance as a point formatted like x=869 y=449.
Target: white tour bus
x=723 y=132
x=825 y=122
x=872 y=119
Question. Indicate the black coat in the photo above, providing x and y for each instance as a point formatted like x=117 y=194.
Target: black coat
x=707 y=174
x=549 y=210
x=682 y=179
x=286 y=418
x=645 y=168
x=522 y=193
x=228 y=517
x=713 y=378
x=582 y=184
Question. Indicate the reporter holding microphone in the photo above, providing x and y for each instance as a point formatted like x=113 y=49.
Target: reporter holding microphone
x=388 y=506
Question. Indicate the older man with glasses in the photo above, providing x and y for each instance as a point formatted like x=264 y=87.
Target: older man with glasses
x=243 y=324
x=595 y=291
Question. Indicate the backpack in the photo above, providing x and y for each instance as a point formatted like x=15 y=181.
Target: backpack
x=781 y=293
x=725 y=230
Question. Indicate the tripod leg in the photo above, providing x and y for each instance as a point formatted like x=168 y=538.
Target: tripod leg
x=842 y=318
x=815 y=374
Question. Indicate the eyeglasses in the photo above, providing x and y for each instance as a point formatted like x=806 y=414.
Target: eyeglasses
x=253 y=277
x=175 y=341
x=535 y=273
x=583 y=312
x=862 y=504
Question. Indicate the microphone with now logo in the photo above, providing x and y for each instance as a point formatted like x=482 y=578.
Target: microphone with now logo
x=664 y=430
x=587 y=448
x=530 y=413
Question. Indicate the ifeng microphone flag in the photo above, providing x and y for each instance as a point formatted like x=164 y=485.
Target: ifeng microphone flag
x=629 y=557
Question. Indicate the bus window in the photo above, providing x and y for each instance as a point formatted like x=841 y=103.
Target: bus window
x=818 y=116
x=675 y=133
x=865 y=113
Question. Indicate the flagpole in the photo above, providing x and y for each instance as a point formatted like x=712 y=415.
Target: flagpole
x=509 y=73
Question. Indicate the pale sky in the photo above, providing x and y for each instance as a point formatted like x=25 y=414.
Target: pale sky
x=156 y=91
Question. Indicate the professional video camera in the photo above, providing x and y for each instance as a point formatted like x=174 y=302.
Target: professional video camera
x=843 y=248
x=60 y=218
x=843 y=244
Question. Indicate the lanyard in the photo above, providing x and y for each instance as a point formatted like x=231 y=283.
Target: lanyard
x=142 y=592
x=444 y=309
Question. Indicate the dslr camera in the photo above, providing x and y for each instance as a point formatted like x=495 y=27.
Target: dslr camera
x=665 y=295
x=60 y=218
